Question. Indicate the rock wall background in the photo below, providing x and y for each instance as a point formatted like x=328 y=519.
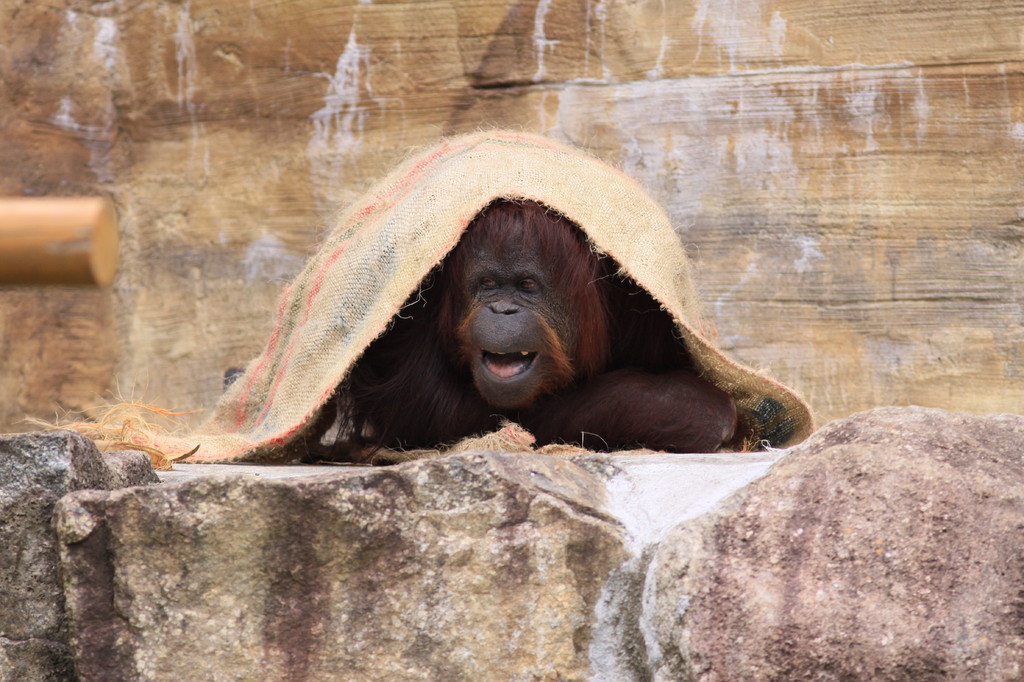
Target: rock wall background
x=848 y=176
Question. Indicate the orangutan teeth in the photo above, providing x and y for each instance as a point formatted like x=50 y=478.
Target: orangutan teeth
x=508 y=365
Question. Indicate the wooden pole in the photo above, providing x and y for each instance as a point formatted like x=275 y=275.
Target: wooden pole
x=57 y=240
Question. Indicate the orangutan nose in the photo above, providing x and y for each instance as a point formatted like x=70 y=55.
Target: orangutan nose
x=503 y=308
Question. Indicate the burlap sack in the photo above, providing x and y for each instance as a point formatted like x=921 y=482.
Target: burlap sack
x=383 y=246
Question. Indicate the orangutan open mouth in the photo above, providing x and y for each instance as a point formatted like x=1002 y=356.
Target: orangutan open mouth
x=508 y=365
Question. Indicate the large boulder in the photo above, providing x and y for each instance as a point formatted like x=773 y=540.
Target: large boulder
x=35 y=471
x=889 y=546
x=475 y=566
x=472 y=567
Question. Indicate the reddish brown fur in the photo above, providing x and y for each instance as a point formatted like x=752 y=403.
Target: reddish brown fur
x=564 y=250
x=619 y=376
x=564 y=372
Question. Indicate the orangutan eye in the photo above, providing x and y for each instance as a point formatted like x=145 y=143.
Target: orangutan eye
x=487 y=283
x=528 y=285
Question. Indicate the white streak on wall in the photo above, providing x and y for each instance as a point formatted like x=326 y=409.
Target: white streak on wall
x=810 y=251
x=586 y=41
x=541 y=44
x=104 y=44
x=1017 y=132
x=338 y=125
x=921 y=109
x=777 y=34
x=658 y=71
x=739 y=31
x=185 y=54
x=98 y=138
x=64 y=118
x=601 y=11
x=97 y=132
x=864 y=108
x=736 y=28
x=700 y=19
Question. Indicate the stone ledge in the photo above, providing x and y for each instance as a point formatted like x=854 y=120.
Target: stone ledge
x=187 y=472
x=887 y=546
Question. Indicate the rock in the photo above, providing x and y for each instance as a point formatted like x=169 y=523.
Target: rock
x=35 y=471
x=889 y=546
x=470 y=567
x=190 y=472
x=650 y=495
x=592 y=598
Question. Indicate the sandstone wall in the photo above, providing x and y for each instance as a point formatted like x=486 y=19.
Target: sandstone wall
x=848 y=176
